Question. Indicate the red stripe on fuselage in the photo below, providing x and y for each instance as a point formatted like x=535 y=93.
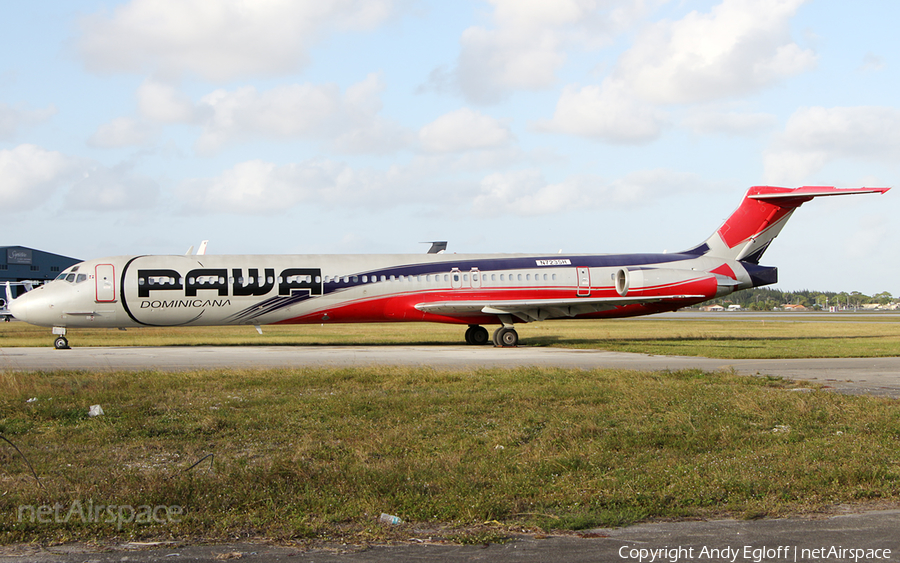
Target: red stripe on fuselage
x=401 y=307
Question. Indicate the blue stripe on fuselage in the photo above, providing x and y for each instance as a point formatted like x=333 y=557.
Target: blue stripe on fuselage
x=511 y=263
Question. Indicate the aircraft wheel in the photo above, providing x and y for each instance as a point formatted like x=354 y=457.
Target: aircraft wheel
x=469 y=334
x=506 y=337
x=61 y=343
x=479 y=336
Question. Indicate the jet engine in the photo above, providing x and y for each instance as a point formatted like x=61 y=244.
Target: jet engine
x=666 y=281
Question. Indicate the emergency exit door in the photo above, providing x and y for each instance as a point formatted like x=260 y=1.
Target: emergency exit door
x=104 y=277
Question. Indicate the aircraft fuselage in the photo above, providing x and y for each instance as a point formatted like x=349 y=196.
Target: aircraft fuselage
x=233 y=290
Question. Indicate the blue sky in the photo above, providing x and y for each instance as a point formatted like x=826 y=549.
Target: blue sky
x=502 y=126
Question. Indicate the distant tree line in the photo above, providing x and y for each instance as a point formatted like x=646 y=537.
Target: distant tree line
x=766 y=299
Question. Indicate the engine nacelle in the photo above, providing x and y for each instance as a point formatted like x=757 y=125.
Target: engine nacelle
x=665 y=281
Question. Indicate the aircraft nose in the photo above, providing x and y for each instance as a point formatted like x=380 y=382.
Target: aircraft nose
x=19 y=308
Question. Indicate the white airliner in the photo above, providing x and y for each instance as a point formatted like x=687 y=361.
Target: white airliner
x=466 y=289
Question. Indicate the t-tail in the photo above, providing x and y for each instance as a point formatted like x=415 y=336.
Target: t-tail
x=749 y=231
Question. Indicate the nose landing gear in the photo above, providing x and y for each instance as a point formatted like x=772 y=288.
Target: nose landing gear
x=61 y=342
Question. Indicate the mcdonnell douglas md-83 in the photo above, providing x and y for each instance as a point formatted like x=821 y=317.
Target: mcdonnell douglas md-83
x=465 y=289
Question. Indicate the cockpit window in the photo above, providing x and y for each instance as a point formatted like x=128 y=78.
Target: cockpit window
x=70 y=278
x=80 y=278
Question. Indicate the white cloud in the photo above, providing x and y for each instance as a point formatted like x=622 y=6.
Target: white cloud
x=713 y=122
x=258 y=187
x=872 y=63
x=526 y=192
x=31 y=175
x=159 y=101
x=220 y=40
x=301 y=111
x=112 y=189
x=377 y=136
x=284 y=111
x=463 y=130
x=816 y=136
x=525 y=48
x=739 y=47
x=121 y=132
x=605 y=112
x=11 y=119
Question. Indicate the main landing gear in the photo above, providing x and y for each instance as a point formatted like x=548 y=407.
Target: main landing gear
x=477 y=335
x=505 y=336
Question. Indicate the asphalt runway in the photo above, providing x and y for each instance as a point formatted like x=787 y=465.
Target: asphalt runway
x=875 y=376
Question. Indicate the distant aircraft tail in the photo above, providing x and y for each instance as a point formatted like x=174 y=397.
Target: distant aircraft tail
x=747 y=233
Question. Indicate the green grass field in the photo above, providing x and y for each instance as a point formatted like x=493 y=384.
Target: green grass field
x=316 y=455
x=712 y=338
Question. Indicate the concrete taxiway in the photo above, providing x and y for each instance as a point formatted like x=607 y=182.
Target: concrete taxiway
x=868 y=536
x=875 y=376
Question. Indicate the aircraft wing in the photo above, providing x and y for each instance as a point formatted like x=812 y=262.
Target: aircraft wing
x=541 y=309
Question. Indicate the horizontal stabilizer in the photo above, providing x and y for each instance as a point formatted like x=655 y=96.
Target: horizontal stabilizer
x=813 y=191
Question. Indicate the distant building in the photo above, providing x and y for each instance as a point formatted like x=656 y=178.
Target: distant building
x=790 y=307
x=712 y=308
x=19 y=264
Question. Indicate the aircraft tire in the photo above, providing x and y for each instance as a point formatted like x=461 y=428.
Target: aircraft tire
x=506 y=337
x=479 y=336
x=469 y=334
x=61 y=343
